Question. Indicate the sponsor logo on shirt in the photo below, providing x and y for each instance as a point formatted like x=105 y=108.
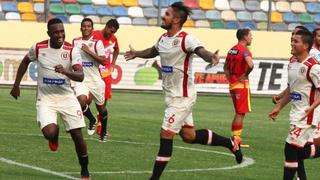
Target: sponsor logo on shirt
x=167 y=69
x=87 y=64
x=233 y=52
x=53 y=81
x=295 y=96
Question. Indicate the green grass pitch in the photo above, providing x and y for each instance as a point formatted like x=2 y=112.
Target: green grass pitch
x=135 y=120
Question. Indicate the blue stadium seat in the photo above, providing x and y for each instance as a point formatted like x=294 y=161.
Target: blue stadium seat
x=88 y=10
x=313 y=7
x=259 y=16
x=237 y=5
x=119 y=11
x=310 y=27
x=290 y=17
x=244 y=16
x=249 y=24
x=140 y=21
x=213 y=15
x=63 y=18
x=9 y=7
x=198 y=14
x=164 y=3
x=104 y=11
x=252 y=5
x=316 y=18
x=150 y=12
x=232 y=25
x=280 y=27
x=146 y=3
x=55 y=1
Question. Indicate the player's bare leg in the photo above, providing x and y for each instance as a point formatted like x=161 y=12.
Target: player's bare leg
x=237 y=126
x=207 y=137
x=51 y=133
x=81 y=149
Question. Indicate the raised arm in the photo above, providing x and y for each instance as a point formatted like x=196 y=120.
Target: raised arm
x=15 y=91
x=147 y=53
x=212 y=58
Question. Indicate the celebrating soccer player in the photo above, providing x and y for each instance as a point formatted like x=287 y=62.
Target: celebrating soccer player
x=58 y=63
x=175 y=48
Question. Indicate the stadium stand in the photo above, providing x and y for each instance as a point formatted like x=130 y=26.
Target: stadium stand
x=206 y=13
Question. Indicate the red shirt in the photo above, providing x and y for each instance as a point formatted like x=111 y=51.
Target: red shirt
x=110 y=44
x=236 y=59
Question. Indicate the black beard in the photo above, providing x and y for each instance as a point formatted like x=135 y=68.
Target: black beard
x=165 y=27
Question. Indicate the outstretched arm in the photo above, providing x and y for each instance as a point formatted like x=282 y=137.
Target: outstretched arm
x=15 y=91
x=147 y=53
x=212 y=58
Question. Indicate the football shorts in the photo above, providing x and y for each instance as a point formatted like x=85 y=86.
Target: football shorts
x=96 y=88
x=241 y=99
x=299 y=137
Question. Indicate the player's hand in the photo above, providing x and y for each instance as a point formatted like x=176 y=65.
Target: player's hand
x=215 y=58
x=276 y=99
x=242 y=78
x=112 y=66
x=307 y=112
x=131 y=54
x=273 y=114
x=85 y=48
x=60 y=69
x=15 y=91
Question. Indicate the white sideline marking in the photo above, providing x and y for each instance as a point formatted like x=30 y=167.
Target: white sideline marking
x=247 y=161
x=8 y=161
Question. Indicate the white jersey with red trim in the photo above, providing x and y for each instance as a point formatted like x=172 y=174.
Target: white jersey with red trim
x=304 y=84
x=176 y=64
x=51 y=84
x=315 y=54
x=90 y=66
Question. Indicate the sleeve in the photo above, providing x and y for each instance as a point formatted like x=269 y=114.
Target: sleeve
x=315 y=54
x=32 y=54
x=246 y=53
x=100 y=48
x=75 y=57
x=191 y=43
x=315 y=75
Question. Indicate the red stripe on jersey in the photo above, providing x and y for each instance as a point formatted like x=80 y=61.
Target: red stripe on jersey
x=183 y=43
x=77 y=65
x=67 y=46
x=95 y=47
x=309 y=63
x=185 y=76
x=71 y=54
x=311 y=100
x=40 y=45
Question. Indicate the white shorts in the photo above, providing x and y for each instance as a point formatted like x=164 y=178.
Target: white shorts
x=178 y=113
x=96 y=88
x=299 y=137
x=68 y=108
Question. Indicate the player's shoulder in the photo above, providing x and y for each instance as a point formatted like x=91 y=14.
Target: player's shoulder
x=310 y=62
x=182 y=34
x=77 y=39
x=42 y=44
x=67 y=46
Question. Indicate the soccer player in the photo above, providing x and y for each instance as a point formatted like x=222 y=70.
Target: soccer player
x=237 y=68
x=176 y=48
x=58 y=63
x=92 y=55
x=303 y=92
x=315 y=50
x=111 y=49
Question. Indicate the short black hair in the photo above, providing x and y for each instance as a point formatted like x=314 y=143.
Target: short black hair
x=301 y=28
x=53 y=21
x=306 y=37
x=241 y=33
x=113 y=23
x=314 y=32
x=182 y=10
x=87 y=19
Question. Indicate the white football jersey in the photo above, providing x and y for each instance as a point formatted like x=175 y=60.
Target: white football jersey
x=50 y=83
x=90 y=66
x=304 y=84
x=176 y=55
x=315 y=54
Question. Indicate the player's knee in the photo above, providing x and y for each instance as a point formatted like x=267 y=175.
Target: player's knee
x=188 y=138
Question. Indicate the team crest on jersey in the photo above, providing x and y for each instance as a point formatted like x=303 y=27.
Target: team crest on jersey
x=302 y=70
x=65 y=56
x=175 y=42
